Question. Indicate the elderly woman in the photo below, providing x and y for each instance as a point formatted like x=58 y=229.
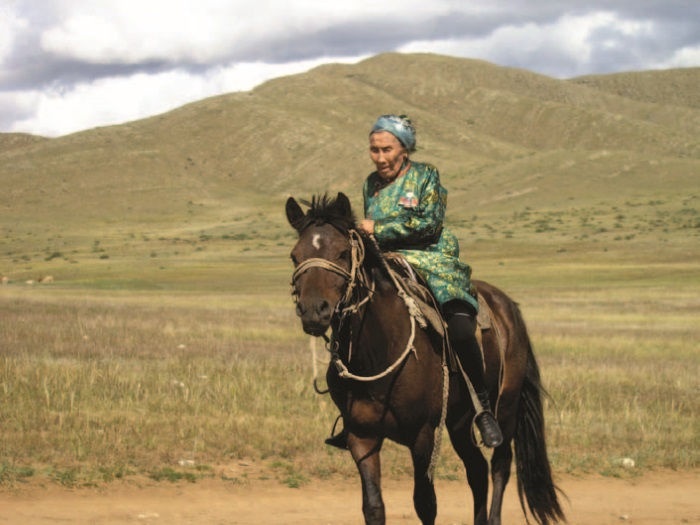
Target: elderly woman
x=404 y=206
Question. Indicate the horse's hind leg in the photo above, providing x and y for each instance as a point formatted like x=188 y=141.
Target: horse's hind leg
x=500 y=474
x=502 y=458
x=365 y=452
x=424 y=499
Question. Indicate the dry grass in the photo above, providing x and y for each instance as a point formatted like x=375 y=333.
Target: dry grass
x=134 y=385
x=97 y=386
x=169 y=337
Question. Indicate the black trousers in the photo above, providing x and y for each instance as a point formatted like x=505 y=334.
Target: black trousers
x=461 y=330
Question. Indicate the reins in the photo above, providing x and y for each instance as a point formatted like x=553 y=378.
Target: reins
x=414 y=313
x=353 y=276
x=346 y=374
x=346 y=306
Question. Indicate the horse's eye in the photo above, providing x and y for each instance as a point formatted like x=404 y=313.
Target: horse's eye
x=294 y=260
x=345 y=255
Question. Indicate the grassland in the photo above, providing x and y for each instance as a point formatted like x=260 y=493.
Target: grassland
x=171 y=368
x=166 y=345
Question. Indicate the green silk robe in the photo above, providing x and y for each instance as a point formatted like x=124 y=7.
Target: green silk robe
x=408 y=218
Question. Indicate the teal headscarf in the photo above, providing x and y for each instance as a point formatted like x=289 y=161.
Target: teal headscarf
x=400 y=126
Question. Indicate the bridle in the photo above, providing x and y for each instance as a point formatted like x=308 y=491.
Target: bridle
x=353 y=277
x=346 y=306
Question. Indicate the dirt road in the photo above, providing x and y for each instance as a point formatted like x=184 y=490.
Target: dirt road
x=654 y=499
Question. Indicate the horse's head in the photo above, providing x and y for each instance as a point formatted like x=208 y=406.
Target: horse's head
x=322 y=258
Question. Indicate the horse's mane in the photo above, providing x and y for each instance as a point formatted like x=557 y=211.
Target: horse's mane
x=374 y=257
x=325 y=210
x=339 y=214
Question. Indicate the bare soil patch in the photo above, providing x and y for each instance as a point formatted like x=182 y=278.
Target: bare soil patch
x=657 y=498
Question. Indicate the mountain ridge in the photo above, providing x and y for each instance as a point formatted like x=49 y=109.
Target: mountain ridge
x=505 y=140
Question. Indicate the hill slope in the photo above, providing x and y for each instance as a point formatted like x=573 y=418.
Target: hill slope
x=507 y=141
x=678 y=87
x=10 y=141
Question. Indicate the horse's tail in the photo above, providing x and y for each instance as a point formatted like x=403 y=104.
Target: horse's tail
x=534 y=473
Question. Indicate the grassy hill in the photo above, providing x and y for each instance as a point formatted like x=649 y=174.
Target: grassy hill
x=597 y=158
x=676 y=87
x=9 y=141
x=169 y=328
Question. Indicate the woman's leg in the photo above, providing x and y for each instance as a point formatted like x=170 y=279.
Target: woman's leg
x=461 y=329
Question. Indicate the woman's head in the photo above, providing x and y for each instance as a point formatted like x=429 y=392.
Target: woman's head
x=400 y=126
x=391 y=140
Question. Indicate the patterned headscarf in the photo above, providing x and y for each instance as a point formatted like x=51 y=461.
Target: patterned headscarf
x=400 y=126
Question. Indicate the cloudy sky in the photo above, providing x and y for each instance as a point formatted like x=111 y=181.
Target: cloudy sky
x=68 y=65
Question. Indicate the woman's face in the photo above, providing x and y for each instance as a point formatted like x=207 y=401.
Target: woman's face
x=387 y=153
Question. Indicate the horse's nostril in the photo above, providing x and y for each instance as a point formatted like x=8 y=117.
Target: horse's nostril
x=300 y=309
x=324 y=308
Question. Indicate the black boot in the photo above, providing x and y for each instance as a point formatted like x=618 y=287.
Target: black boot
x=461 y=327
x=486 y=423
x=340 y=440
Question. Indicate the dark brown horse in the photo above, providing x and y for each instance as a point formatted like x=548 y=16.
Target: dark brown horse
x=387 y=373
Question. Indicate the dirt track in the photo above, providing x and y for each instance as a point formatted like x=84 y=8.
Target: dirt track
x=655 y=499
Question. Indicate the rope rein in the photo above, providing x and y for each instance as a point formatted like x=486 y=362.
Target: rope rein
x=346 y=374
x=414 y=313
x=346 y=306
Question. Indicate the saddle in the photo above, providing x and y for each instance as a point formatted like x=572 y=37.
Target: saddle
x=416 y=288
x=419 y=291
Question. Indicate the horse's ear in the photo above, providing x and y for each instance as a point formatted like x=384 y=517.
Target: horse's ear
x=295 y=215
x=343 y=204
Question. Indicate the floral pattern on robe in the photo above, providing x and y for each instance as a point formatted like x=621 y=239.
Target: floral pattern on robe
x=408 y=218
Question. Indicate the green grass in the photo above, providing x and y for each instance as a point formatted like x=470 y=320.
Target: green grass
x=181 y=351
x=167 y=345
x=155 y=353
x=105 y=382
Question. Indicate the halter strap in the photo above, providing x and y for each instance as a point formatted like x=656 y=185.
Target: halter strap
x=354 y=276
x=317 y=262
x=357 y=256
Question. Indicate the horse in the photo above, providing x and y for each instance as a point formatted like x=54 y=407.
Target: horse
x=389 y=377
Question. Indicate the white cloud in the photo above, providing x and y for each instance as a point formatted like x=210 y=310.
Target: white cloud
x=120 y=99
x=10 y=25
x=175 y=30
x=562 y=48
x=684 y=57
x=131 y=32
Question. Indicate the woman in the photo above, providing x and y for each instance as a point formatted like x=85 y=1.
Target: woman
x=404 y=206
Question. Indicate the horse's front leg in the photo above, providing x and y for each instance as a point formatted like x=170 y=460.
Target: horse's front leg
x=424 y=499
x=365 y=452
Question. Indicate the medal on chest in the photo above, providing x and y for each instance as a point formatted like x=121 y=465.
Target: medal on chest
x=408 y=200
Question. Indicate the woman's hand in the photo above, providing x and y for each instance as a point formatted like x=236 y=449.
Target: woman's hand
x=366 y=226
